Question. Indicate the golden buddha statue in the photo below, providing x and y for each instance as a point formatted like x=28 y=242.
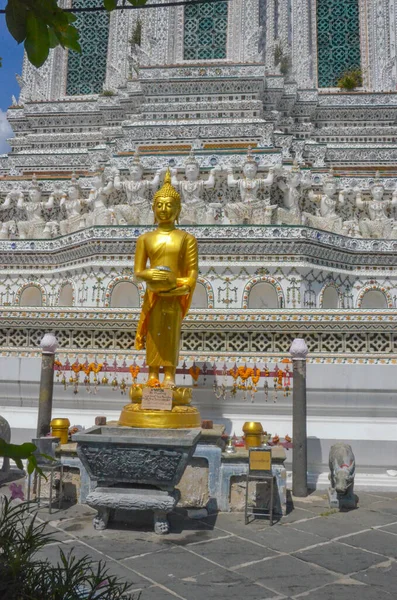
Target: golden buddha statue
x=170 y=282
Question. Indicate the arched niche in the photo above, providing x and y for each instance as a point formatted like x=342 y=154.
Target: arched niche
x=31 y=296
x=263 y=295
x=125 y=295
x=66 y=295
x=373 y=299
x=199 y=299
x=330 y=297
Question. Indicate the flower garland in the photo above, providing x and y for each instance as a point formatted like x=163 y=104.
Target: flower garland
x=195 y=373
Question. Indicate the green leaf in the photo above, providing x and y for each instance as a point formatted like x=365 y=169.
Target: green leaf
x=18 y=463
x=16 y=451
x=16 y=15
x=71 y=38
x=110 y=4
x=37 y=43
x=53 y=40
x=30 y=467
x=137 y=2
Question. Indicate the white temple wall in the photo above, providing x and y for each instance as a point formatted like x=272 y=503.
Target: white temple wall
x=350 y=402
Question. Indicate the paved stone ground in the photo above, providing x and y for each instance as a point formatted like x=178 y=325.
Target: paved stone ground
x=312 y=553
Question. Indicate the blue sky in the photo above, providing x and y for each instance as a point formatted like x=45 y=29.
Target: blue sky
x=11 y=54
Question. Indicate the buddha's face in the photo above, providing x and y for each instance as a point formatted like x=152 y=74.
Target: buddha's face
x=250 y=170
x=377 y=192
x=165 y=210
x=191 y=172
x=34 y=194
x=330 y=189
x=135 y=172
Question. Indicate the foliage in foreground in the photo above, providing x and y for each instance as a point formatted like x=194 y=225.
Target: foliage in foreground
x=42 y=25
x=24 y=576
x=20 y=452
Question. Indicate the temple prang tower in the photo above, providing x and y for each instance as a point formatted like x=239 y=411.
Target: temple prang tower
x=245 y=90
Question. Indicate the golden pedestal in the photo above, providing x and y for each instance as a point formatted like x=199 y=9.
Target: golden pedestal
x=181 y=416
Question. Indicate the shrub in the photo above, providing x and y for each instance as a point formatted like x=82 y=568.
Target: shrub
x=23 y=576
x=350 y=80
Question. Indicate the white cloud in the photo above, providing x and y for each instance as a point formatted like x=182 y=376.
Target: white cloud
x=5 y=133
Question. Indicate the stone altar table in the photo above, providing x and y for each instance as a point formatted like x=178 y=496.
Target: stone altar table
x=135 y=469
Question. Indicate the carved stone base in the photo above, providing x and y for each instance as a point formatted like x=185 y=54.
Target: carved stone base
x=106 y=499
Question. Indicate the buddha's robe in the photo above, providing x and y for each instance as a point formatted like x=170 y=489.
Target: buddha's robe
x=161 y=317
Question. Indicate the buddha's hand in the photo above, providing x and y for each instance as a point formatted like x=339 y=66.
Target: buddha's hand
x=177 y=291
x=160 y=275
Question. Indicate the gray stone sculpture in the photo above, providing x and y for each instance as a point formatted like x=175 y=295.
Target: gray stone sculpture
x=377 y=224
x=342 y=467
x=250 y=209
x=153 y=460
x=327 y=217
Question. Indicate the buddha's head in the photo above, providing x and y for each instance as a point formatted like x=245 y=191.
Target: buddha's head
x=192 y=168
x=34 y=192
x=377 y=188
x=166 y=202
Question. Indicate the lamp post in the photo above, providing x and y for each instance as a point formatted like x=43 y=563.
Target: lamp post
x=298 y=353
x=49 y=345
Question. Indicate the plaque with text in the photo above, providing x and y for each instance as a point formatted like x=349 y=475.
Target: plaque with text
x=260 y=460
x=156 y=399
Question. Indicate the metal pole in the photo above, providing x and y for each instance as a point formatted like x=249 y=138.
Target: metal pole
x=49 y=345
x=298 y=353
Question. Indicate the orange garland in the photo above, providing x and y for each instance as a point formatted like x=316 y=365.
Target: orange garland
x=256 y=375
x=153 y=383
x=195 y=372
x=245 y=372
x=76 y=368
x=134 y=370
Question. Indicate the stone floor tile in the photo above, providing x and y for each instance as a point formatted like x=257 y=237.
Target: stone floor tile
x=384 y=506
x=376 y=541
x=234 y=523
x=287 y=539
x=52 y=552
x=175 y=564
x=390 y=528
x=340 y=558
x=338 y=591
x=56 y=534
x=297 y=514
x=287 y=575
x=120 y=549
x=123 y=573
x=220 y=584
x=231 y=551
x=364 y=517
x=328 y=527
x=382 y=578
x=157 y=593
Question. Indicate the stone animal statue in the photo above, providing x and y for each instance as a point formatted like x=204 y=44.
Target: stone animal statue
x=342 y=467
